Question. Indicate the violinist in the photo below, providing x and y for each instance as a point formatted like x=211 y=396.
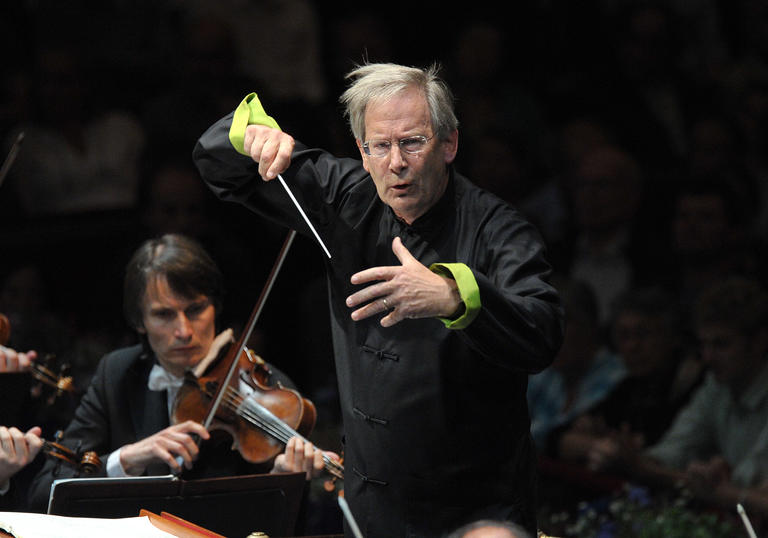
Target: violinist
x=439 y=299
x=17 y=448
x=172 y=294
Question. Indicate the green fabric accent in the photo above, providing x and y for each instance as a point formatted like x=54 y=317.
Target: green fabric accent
x=248 y=112
x=468 y=291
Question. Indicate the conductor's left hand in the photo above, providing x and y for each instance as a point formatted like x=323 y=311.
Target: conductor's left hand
x=407 y=291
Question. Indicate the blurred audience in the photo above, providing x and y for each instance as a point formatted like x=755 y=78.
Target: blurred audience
x=649 y=334
x=718 y=444
x=584 y=372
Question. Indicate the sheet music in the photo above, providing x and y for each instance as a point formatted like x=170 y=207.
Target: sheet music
x=31 y=525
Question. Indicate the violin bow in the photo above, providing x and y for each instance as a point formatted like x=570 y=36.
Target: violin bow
x=12 y=157
x=246 y=334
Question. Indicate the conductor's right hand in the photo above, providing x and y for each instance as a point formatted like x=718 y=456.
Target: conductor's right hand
x=164 y=446
x=271 y=148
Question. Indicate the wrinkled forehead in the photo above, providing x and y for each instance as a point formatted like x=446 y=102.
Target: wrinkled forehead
x=406 y=109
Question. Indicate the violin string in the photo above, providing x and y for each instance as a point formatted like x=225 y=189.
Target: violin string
x=286 y=431
x=234 y=399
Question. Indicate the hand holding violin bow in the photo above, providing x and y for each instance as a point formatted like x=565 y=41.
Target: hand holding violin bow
x=12 y=361
x=17 y=449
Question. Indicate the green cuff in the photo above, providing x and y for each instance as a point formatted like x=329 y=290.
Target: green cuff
x=248 y=112
x=468 y=291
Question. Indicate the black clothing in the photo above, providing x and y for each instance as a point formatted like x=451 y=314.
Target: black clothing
x=435 y=420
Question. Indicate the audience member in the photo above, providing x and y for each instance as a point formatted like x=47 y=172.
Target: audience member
x=606 y=246
x=649 y=334
x=718 y=444
x=583 y=373
x=708 y=238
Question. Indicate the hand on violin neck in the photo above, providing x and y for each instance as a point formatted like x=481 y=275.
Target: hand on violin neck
x=165 y=446
x=17 y=449
x=12 y=361
x=301 y=456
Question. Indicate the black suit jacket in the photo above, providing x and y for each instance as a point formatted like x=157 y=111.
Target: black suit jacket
x=119 y=409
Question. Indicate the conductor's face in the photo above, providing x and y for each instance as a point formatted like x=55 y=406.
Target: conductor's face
x=180 y=329
x=408 y=164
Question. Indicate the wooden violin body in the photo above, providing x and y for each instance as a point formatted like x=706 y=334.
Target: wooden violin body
x=258 y=420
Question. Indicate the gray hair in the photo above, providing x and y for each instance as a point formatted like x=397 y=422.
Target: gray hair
x=381 y=81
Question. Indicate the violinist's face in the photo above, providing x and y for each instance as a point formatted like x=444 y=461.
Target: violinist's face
x=180 y=330
x=409 y=184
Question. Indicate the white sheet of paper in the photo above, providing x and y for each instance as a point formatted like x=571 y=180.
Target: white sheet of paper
x=30 y=525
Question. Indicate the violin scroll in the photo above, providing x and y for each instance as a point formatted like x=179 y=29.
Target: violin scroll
x=87 y=463
x=41 y=370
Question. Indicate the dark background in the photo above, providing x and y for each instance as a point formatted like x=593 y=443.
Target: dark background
x=681 y=87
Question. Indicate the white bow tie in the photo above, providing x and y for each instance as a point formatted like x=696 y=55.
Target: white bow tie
x=160 y=379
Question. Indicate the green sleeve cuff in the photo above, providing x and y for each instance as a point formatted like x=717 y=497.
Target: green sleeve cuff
x=468 y=291
x=248 y=112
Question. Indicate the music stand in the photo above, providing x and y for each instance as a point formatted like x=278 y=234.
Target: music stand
x=232 y=506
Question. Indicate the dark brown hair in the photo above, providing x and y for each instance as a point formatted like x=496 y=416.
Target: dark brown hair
x=189 y=269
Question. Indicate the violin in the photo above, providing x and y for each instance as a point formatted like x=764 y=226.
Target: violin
x=260 y=422
x=41 y=370
x=87 y=463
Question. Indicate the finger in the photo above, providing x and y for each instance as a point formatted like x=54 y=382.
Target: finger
x=309 y=459
x=6 y=441
x=282 y=159
x=384 y=272
x=189 y=445
x=178 y=449
x=268 y=154
x=28 y=358
x=289 y=455
x=318 y=463
x=248 y=139
x=393 y=318
x=402 y=253
x=375 y=291
x=254 y=138
x=18 y=445
x=192 y=427
x=371 y=309
x=35 y=444
x=279 y=466
x=10 y=360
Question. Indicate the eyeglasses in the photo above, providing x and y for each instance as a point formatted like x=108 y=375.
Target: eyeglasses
x=412 y=145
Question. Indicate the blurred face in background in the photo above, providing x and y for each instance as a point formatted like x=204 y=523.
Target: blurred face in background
x=645 y=342
x=732 y=357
